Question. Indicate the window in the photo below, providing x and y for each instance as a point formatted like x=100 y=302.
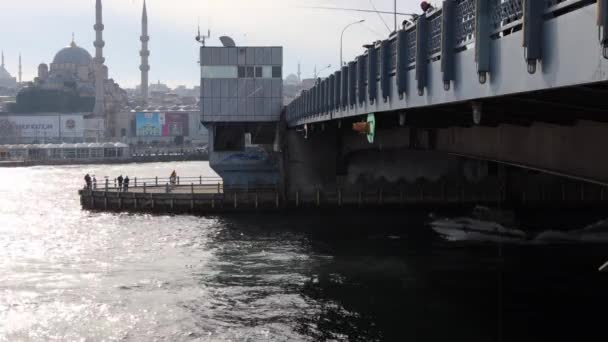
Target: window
x=258 y=72
x=277 y=72
x=241 y=72
x=250 y=72
x=267 y=72
x=219 y=71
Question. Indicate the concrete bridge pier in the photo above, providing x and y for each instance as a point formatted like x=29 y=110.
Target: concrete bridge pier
x=311 y=164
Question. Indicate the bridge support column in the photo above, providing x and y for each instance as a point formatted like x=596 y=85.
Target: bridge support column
x=310 y=163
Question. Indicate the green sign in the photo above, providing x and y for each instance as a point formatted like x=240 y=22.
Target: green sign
x=371 y=120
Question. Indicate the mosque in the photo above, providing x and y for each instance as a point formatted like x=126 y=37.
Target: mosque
x=6 y=80
x=76 y=81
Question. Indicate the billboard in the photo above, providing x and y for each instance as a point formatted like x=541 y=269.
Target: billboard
x=176 y=124
x=162 y=124
x=71 y=126
x=45 y=126
x=36 y=126
x=148 y=124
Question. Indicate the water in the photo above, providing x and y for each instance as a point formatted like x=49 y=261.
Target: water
x=71 y=275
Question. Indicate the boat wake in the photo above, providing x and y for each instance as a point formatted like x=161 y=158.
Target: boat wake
x=595 y=233
x=488 y=225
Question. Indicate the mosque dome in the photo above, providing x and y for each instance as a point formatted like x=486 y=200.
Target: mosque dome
x=73 y=54
x=292 y=79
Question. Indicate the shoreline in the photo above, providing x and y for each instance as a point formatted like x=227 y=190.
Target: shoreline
x=143 y=159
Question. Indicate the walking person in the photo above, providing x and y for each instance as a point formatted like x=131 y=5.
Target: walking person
x=119 y=179
x=126 y=184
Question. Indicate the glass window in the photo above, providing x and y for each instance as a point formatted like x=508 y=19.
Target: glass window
x=267 y=72
x=219 y=71
x=241 y=72
x=258 y=72
x=277 y=72
x=250 y=72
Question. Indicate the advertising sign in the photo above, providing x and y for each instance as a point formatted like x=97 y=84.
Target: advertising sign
x=176 y=124
x=36 y=126
x=162 y=124
x=148 y=124
x=72 y=126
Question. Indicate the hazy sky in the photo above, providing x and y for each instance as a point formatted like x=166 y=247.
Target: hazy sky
x=39 y=28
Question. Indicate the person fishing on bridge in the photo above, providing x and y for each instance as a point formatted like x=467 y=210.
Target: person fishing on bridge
x=119 y=179
x=126 y=184
x=426 y=7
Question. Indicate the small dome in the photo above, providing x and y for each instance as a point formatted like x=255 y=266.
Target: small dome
x=73 y=54
x=292 y=79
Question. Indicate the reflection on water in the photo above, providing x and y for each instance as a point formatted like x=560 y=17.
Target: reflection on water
x=66 y=274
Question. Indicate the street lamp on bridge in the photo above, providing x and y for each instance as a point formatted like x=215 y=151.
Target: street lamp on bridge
x=318 y=72
x=342 y=38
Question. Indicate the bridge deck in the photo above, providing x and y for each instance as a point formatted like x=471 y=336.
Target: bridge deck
x=467 y=50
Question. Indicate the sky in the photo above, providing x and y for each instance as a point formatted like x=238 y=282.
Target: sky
x=39 y=28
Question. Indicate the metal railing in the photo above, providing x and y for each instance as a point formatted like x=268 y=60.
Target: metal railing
x=113 y=185
x=502 y=17
x=179 y=184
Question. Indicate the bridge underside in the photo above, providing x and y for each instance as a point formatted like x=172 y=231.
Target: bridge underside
x=562 y=131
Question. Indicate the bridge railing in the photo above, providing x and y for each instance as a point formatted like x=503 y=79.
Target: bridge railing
x=435 y=36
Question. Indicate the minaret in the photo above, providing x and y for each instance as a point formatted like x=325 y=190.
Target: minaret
x=20 y=70
x=299 y=73
x=99 y=60
x=144 y=53
x=2 y=65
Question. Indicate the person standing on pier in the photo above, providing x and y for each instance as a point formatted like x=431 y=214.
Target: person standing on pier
x=94 y=182
x=87 y=180
x=119 y=179
x=173 y=178
x=126 y=183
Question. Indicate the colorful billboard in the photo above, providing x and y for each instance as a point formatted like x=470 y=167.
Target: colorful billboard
x=162 y=124
x=148 y=124
x=176 y=124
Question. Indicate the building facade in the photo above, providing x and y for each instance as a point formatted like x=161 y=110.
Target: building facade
x=241 y=104
x=169 y=127
x=241 y=84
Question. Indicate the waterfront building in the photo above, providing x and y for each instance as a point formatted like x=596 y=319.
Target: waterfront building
x=241 y=103
x=75 y=82
x=78 y=153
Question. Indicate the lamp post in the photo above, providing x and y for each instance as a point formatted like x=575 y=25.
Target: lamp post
x=342 y=38
x=318 y=72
